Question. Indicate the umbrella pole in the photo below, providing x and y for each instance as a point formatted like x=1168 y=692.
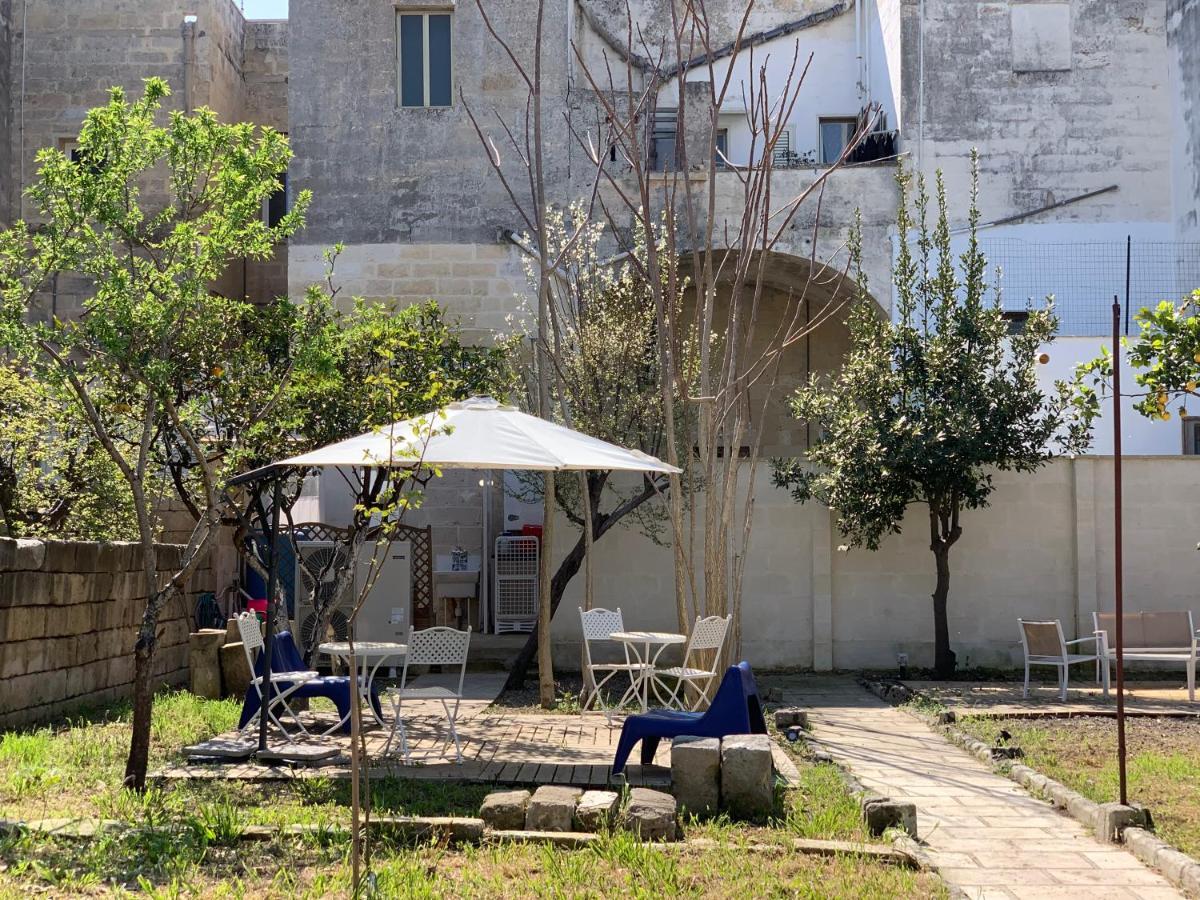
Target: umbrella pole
x=1118 y=561
x=269 y=642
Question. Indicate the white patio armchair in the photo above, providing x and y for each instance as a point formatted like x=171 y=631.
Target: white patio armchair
x=252 y=645
x=708 y=634
x=1044 y=645
x=597 y=625
x=439 y=646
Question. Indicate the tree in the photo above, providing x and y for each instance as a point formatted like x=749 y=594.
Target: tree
x=151 y=216
x=926 y=408
x=55 y=478
x=1165 y=356
x=716 y=359
x=605 y=381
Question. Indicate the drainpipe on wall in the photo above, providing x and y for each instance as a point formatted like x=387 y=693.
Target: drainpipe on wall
x=189 y=60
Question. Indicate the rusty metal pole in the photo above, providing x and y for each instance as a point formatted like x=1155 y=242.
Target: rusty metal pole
x=1118 y=563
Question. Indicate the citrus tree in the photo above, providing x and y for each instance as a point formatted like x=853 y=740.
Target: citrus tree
x=929 y=406
x=149 y=215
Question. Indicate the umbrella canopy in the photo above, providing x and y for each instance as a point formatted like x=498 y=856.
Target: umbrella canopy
x=480 y=433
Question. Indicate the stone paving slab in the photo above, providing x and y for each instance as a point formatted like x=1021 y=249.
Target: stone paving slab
x=984 y=833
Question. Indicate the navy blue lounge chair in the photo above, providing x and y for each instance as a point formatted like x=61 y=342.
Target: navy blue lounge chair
x=286 y=658
x=735 y=709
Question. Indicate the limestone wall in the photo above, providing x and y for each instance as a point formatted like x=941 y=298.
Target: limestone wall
x=1060 y=98
x=1042 y=549
x=1183 y=37
x=69 y=612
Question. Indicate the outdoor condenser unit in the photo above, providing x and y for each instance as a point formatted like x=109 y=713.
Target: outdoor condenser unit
x=516 y=594
x=317 y=567
x=385 y=614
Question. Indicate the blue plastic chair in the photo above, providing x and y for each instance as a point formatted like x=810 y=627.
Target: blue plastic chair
x=286 y=658
x=735 y=709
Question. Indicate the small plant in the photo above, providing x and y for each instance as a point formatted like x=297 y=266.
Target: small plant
x=219 y=822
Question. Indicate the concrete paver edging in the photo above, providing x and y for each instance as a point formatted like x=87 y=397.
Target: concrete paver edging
x=1110 y=821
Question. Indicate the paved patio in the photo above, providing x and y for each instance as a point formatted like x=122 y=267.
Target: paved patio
x=1002 y=699
x=986 y=835
x=498 y=746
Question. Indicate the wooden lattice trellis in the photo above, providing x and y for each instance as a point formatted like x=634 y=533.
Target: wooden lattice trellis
x=421 y=542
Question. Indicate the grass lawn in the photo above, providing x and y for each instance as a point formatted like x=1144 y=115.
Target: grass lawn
x=183 y=840
x=1163 y=765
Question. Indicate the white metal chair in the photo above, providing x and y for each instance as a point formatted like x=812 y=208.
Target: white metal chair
x=1044 y=645
x=253 y=643
x=432 y=647
x=707 y=634
x=597 y=625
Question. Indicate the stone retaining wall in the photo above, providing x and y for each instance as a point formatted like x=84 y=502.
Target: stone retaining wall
x=69 y=612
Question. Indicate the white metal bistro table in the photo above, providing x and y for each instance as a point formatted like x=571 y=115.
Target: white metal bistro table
x=365 y=652
x=640 y=644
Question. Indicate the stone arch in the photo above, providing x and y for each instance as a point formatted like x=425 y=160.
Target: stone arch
x=801 y=292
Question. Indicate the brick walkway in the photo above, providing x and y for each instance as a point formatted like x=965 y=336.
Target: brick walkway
x=986 y=834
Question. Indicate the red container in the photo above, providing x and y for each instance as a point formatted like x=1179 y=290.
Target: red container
x=258 y=606
x=532 y=531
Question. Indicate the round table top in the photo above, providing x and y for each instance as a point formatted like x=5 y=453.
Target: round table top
x=363 y=648
x=648 y=637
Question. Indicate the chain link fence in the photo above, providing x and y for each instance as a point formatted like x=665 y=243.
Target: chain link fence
x=1083 y=277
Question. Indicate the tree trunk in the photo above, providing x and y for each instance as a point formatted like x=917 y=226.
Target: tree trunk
x=143 y=705
x=944 y=661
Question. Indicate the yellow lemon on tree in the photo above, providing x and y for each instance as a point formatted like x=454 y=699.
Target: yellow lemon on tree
x=1190 y=386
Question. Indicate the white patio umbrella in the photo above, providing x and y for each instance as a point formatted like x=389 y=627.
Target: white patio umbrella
x=480 y=433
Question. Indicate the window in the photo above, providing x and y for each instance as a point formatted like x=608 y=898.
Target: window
x=277 y=203
x=835 y=136
x=424 y=62
x=722 y=147
x=663 y=155
x=1191 y=435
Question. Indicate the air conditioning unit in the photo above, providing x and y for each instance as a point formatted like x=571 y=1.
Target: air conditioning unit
x=317 y=566
x=386 y=611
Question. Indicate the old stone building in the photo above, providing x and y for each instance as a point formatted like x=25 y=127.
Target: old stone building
x=57 y=60
x=1084 y=113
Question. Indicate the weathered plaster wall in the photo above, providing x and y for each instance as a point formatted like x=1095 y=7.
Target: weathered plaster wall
x=1041 y=549
x=1045 y=133
x=69 y=613
x=1183 y=43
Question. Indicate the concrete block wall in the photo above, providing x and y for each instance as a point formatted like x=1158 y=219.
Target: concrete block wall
x=69 y=613
x=1041 y=549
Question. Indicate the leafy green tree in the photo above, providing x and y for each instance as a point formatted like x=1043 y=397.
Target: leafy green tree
x=55 y=478
x=1165 y=356
x=926 y=408
x=150 y=216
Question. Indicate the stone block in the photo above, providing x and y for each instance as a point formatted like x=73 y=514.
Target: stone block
x=651 y=815
x=1113 y=818
x=596 y=809
x=1172 y=863
x=880 y=814
x=204 y=662
x=696 y=773
x=235 y=671
x=1081 y=809
x=747 y=776
x=790 y=717
x=552 y=808
x=1189 y=879
x=502 y=810
x=1142 y=844
x=21 y=554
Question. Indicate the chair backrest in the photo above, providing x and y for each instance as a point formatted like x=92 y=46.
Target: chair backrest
x=598 y=624
x=252 y=639
x=709 y=633
x=440 y=646
x=735 y=708
x=1155 y=630
x=1043 y=638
